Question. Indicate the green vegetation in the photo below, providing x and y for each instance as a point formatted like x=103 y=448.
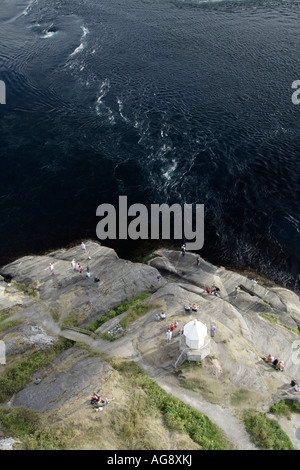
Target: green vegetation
x=192 y=364
x=285 y=408
x=30 y=290
x=5 y=314
x=270 y=317
x=72 y=319
x=109 y=337
x=10 y=324
x=178 y=416
x=55 y=314
x=117 y=311
x=265 y=432
x=9 y=313
x=191 y=384
x=135 y=311
x=147 y=257
x=17 y=376
x=240 y=396
x=30 y=428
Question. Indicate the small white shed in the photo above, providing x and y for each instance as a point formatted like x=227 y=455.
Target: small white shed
x=195 y=333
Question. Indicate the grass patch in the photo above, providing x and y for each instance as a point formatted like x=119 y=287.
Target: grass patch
x=239 y=397
x=270 y=317
x=192 y=364
x=5 y=314
x=294 y=330
x=136 y=311
x=147 y=258
x=285 y=408
x=191 y=384
x=72 y=319
x=117 y=311
x=30 y=428
x=55 y=314
x=9 y=313
x=31 y=290
x=177 y=415
x=10 y=324
x=265 y=432
x=16 y=377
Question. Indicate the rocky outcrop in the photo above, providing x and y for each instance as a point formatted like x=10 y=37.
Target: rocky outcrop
x=35 y=303
x=69 y=291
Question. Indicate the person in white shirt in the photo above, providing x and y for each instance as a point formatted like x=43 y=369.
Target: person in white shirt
x=169 y=336
x=51 y=267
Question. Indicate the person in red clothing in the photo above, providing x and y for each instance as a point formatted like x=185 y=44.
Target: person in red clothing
x=172 y=327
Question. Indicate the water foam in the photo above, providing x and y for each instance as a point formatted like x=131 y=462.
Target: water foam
x=102 y=109
x=83 y=41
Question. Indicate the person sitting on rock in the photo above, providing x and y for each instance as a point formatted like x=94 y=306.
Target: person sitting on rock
x=187 y=308
x=270 y=358
x=101 y=402
x=172 y=327
x=195 y=308
x=95 y=398
x=215 y=290
x=275 y=362
x=280 y=366
x=162 y=316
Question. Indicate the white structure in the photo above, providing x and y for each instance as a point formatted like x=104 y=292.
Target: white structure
x=194 y=342
x=195 y=333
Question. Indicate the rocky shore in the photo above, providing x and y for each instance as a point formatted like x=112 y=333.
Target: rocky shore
x=36 y=307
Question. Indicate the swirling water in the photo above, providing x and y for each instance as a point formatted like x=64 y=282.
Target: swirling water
x=163 y=101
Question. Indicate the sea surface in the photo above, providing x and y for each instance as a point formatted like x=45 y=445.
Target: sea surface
x=164 y=101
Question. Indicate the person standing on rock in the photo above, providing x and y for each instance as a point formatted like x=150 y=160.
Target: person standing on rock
x=198 y=261
x=51 y=267
x=83 y=247
x=253 y=284
x=169 y=336
x=183 y=250
x=212 y=330
x=73 y=264
x=236 y=291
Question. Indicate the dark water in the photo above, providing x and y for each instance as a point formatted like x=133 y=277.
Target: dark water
x=163 y=101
